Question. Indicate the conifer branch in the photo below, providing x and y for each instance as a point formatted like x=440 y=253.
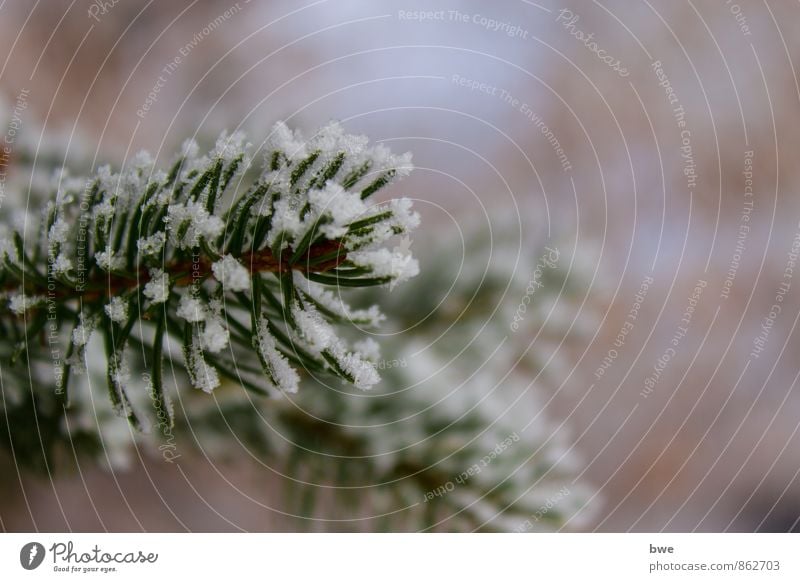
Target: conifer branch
x=144 y=257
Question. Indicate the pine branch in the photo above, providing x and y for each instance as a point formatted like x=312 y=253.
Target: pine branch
x=145 y=257
x=457 y=438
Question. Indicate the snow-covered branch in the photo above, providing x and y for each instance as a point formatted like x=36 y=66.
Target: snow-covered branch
x=143 y=257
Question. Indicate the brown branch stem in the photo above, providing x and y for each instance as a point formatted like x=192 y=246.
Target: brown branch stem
x=261 y=261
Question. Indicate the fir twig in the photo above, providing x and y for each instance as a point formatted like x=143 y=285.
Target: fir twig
x=177 y=253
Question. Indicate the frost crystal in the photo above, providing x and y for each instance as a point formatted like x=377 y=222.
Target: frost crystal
x=83 y=332
x=214 y=337
x=191 y=309
x=231 y=274
x=285 y=140
x=117 y=310
x=108 y=261
x=369 y=348
x=362 y=372
x=320 y=337
x=398 y=265
x=382 y=158
x=339 y=206
x=327 y=300
x=19 y=304
x=59 y=231
x=313 y=328
x=195 y=222
x=228 y=148
x=279 y=368
x=151 y=245
x=285 y=221
x=190 y=149
x=121 y=375
x=403 y=218
x=203 y=376
x=157 y=289
x=62 y=265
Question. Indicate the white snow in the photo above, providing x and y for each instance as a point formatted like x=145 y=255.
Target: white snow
x=287 y=141
x=120 y=373
x=109 y=261
x=398 y=265
x=117 y=310
x=370 y=317
x=285 y=220
x=20 y=303
x=83 y=331
x=285 y=375
x=230 y=147
x=190 y=149
x=151 y=245
x=214 y=336
x=58 y=232
x=313 y=328
x=62 y=264
x=201 y=224
x=341 y=206
x=383 y=160
x=231 y=273
x=157 y=289
x=191 y=309
x=369 y=349
x=203 y=376
x=363 y=372
x=402 y=215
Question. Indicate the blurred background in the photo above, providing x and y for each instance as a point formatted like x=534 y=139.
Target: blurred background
x=650 y=144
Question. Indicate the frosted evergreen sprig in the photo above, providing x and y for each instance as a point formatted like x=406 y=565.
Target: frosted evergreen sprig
x=143 y=257
x=457 y=437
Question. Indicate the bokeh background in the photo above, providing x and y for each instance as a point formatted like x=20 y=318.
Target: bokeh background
x=515 y=120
